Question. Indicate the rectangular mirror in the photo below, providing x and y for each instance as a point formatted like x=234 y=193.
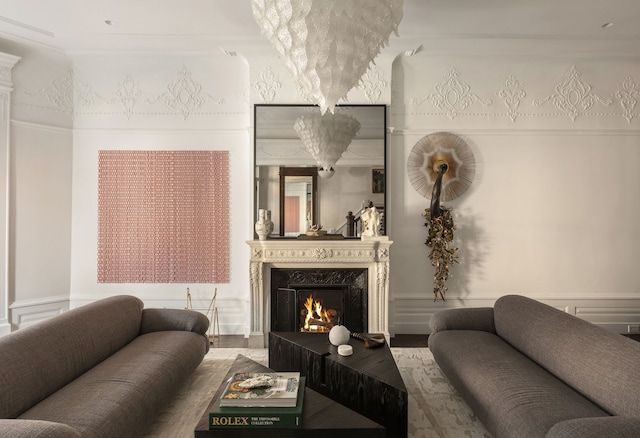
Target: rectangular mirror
x=287 y=178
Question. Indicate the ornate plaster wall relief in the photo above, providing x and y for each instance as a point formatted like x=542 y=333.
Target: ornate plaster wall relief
x=268 y=85
x=127 y=93
x=5 y=74
x=185 y=95
x=573 y=96
x=627 y=95
x=65 y=94
x=452 y=96
x=70 y=94
x=4 y=99
x=372 y=84
x=512 y=94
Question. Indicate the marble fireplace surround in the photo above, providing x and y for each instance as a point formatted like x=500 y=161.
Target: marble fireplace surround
x=372 y=254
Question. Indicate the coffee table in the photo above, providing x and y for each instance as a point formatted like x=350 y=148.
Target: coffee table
x=368 y=381
x=321 y=416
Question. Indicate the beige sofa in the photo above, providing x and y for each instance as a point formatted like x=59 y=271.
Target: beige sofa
x=105 y=369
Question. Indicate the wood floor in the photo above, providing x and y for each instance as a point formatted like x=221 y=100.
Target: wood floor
x=239 y=341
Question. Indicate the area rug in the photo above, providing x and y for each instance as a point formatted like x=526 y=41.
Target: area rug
x=435 y=409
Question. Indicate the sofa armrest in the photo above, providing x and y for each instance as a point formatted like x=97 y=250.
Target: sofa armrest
x=16 y=428
x=157 y=320
x=477 y=318
x=597 y=427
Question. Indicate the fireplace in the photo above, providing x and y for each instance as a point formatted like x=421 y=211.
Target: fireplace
x=315 y=299
x=351 y=276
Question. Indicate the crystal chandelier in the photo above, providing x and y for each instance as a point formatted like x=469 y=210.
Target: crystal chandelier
x=326 y=137
x=328 y=45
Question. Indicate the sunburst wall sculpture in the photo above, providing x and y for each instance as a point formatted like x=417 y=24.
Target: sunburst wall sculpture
x=441 y=166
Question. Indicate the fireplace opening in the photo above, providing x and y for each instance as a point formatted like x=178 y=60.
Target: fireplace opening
x=314 y=300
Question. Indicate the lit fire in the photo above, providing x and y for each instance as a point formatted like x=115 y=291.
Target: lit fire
x=317 y=318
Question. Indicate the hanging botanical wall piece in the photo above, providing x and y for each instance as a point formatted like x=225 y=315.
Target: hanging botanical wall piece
x=441 y=166
x=443 y=256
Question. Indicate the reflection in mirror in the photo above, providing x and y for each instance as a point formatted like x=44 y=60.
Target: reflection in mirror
x=297 y=200
x=358 y=181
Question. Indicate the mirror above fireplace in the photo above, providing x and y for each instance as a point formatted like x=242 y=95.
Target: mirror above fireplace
x=358 y=179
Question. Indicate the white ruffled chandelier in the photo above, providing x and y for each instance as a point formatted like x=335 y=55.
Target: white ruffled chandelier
x=326 y=137
x=328 y=45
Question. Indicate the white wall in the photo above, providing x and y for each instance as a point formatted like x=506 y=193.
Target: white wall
x=39 y=262
x=553 y=209
x=164 y=103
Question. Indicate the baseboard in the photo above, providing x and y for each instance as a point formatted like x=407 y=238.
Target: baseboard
x=27 y=312
x=411 y=315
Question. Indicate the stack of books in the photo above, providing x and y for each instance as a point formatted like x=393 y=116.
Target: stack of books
x=259 y=400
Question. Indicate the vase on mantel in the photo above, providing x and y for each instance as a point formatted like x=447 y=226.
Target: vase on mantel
x=264 y=226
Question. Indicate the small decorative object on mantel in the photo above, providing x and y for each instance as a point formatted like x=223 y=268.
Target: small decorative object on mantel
x=443 y=165
x=316 y=230
x=264 y=225
x=371 y=222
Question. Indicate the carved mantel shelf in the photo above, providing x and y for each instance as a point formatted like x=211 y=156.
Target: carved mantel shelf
x=372 y=254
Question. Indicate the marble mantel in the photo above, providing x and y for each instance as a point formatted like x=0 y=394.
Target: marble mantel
x=372 y=253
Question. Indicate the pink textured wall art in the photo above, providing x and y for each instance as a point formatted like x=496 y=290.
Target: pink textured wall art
x=163 y=216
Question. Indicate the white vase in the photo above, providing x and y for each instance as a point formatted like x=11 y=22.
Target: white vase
x=264 y=226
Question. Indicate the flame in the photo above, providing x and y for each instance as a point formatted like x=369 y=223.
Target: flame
x=315 y=312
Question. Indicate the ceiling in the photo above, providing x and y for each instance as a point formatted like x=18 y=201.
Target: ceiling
x=77 y=26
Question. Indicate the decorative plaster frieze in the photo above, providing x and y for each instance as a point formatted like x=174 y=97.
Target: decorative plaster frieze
x=372 y=84
x=319 y=254
x=452 y=95
x=185 y=95
x=573 y=96
x=268 y=85
x=512 y=93
x=59 y=93
x=127 y=94
x=72 y=95
x=627 y=95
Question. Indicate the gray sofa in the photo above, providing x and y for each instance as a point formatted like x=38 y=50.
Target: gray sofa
x=527 y=369
x=104 y=369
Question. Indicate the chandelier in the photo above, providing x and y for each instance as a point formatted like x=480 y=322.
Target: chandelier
x=326 y=137
x=328 y=45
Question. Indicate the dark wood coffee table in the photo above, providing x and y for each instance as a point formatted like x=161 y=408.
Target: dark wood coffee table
x=368 y=381
x=321 y=416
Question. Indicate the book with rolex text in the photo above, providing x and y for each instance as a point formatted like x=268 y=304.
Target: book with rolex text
x=235 y=417
x=261 y=389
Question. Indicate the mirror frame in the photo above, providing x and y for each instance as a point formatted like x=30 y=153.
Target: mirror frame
x=315 y=195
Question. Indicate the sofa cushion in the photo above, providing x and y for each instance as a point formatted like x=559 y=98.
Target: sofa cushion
x=36 y=429
x=474 y=318
x=604 y=427
x=510 y=394
x=599 y=364
x=38 y=360
x=127 y=390
x=156 y=320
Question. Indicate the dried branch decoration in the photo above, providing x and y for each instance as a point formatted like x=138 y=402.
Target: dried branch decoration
x=439 y=238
